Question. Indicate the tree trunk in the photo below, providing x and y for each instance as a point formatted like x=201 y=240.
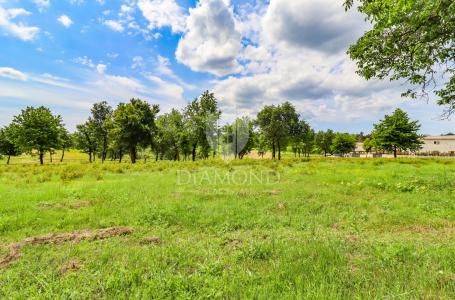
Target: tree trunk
x=104 y=153
x=50 y=155
x=90 y=156
x=133 y=154
x=395 y=151
x=120 y=156
x=9 y=157
x=279 y=151
x=194 y=152
x=273 y=150
x=41 y=157
x=63 y=155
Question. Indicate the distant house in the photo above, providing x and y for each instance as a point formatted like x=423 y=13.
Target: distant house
x=432 y=145
x=438 y=145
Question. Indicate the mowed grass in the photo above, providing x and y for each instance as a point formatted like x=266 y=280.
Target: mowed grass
x=314 y=228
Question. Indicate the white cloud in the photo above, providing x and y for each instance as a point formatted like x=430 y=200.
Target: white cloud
x=163 y=67
x=12 y=74
x=166 y=89
x=101 y=68
x=15 y=12
x=322 y=25
x=85 y=61
x=211 y=42
x=114 y=25
x=21 y=31
x=42 y=4
x=162 y=13
x=112 y=55
x=65 y=20
x=138 y=62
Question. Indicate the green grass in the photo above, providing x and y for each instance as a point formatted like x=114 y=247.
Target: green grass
x=315 y=229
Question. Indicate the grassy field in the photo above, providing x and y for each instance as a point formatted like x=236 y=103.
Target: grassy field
x=315 y=229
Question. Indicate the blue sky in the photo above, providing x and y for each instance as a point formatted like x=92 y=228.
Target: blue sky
x=68 y=54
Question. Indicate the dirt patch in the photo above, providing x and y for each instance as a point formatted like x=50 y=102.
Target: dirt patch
x=281 y=205
x=74 y=205
x=152 y=240
x=274 y=193
x=232 y=242
x=80 y=204
x=58 y=238
x=70 y=266
x=423 y=230
x=45 y=205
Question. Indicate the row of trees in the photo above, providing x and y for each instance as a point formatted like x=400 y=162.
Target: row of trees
x=136 y=129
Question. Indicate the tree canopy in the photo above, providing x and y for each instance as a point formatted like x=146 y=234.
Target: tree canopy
x=276 y=124
x=410 y=40
x=7 y=146
x=134 y=123
x=397 y=132
x=37 y=129
x=343 y=143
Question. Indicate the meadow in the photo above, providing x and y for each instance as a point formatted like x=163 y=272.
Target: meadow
x=317 y=228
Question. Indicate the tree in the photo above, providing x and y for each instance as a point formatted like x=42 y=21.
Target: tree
x=276 y=124
x=410 y=40
x=135 y=125
x=343 y=143
x=302 y=137
x=7 y=146
x=101 y=115
x=168 y=142
x=238 y=137
x=66 y=141
x=85 y=138
x=324 y=141
x=37 y=129
x=368 y=144
x=397 y=132
x=201 y=116
x=261 y=143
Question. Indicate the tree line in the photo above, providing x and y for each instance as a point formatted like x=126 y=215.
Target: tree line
x=136 y=129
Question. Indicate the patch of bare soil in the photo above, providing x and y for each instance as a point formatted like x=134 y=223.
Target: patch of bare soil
x=80 y=204
x=70 y=266
x=274 y=193
x=232 y=242
x=281 y=205
x=59 y=238
x=74 y=205
x=152 y=240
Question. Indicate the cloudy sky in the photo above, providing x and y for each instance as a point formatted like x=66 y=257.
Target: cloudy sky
x=68 y=54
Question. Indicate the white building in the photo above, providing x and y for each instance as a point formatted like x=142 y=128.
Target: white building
x=432 y=145
x=443 y=144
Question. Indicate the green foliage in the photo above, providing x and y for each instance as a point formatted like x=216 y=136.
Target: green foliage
x=343 y=143
x=171 y=141
x=101 y=118
x=86 y=139
x=238 y=138
x=397 y=132
x=134 y=124
x=37 y=129
x=7 y=146
x=324 y=141
x=410 y=40
x=276 y=124
x=201 y=118
x=302 y=138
